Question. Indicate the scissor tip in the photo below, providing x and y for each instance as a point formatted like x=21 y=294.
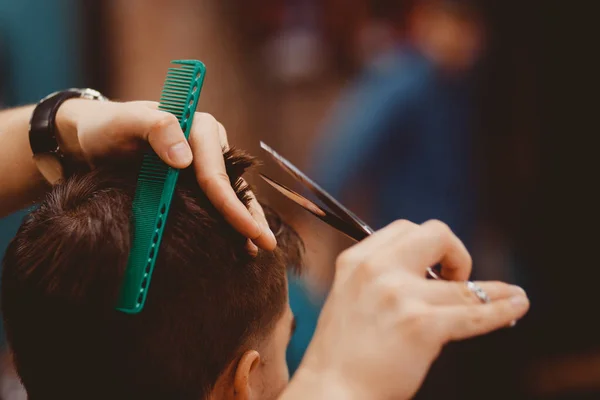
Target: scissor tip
x=270 y=150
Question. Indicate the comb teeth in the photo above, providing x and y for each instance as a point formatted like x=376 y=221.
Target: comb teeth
x=176 y=90
x=154 y=168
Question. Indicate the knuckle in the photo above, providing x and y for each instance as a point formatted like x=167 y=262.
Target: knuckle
x=389 y=296
x=163 y=121
x=464 y=293
x=438 y=226
x=401 y=224
x=476 y=321
x=440 y=229
x=206 y=119
x=366 y=269
x=347 y=258
x=218 y=178
x=477 y=318
x=418 y=322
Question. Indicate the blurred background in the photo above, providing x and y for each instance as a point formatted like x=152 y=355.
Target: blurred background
x=469 y=112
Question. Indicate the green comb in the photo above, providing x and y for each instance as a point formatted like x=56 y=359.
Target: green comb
x=155 y=186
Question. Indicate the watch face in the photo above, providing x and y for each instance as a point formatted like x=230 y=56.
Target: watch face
x=92 y=94
x=50 y=167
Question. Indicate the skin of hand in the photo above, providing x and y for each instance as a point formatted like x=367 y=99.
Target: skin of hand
x=92 y=131
x=384 y=323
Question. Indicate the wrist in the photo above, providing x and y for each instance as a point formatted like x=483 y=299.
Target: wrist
x=53 y=129
x=66 y=127
x=322 y=385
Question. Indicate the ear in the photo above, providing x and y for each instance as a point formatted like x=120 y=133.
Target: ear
x=245 y=380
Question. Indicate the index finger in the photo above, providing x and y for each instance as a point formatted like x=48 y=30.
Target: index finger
x=451 y=252
x=429 y=245
x=213 y=179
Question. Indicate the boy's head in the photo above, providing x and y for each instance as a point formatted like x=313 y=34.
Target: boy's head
x=216 y=321
x=449 y=33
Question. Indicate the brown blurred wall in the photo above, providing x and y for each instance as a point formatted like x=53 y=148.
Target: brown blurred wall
x=146 y=34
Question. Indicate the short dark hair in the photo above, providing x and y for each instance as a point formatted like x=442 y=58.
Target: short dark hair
x=209 y=300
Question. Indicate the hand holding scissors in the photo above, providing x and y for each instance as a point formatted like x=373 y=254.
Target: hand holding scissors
x=335 y=214
x=383 y=323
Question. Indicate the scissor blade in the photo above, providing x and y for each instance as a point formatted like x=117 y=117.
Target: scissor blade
x=327 y=217
x=352 y=226
x=295 y=197
x=333 y=204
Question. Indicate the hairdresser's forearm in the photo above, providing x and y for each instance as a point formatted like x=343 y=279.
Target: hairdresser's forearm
x=308 y=384
x=20 y=181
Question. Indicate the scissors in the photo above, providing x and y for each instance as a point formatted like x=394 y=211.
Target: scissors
x=336 y=215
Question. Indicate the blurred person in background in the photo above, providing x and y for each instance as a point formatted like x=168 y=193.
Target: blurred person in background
x=398 y=142
x=401 y=132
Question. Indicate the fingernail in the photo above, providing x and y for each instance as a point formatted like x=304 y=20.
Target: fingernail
x=251 y=248
x=517 y=291
x=267 y=230
x=513 y=323
x=519 y=301
x=180 y=153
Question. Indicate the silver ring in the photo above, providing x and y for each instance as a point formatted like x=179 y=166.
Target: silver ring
x=432 y=274
x=478 y=291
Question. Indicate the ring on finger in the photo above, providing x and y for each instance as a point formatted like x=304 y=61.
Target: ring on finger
x=478 y=291
x=432 y=274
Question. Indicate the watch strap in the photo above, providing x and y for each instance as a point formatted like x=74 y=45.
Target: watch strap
x=43 y=136
x=42 y=128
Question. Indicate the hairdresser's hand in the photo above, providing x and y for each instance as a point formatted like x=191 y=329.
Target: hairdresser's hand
x=384 y=323
x=93 y=130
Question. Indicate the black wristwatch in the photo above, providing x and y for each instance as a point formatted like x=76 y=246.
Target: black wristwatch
x=42 y=132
